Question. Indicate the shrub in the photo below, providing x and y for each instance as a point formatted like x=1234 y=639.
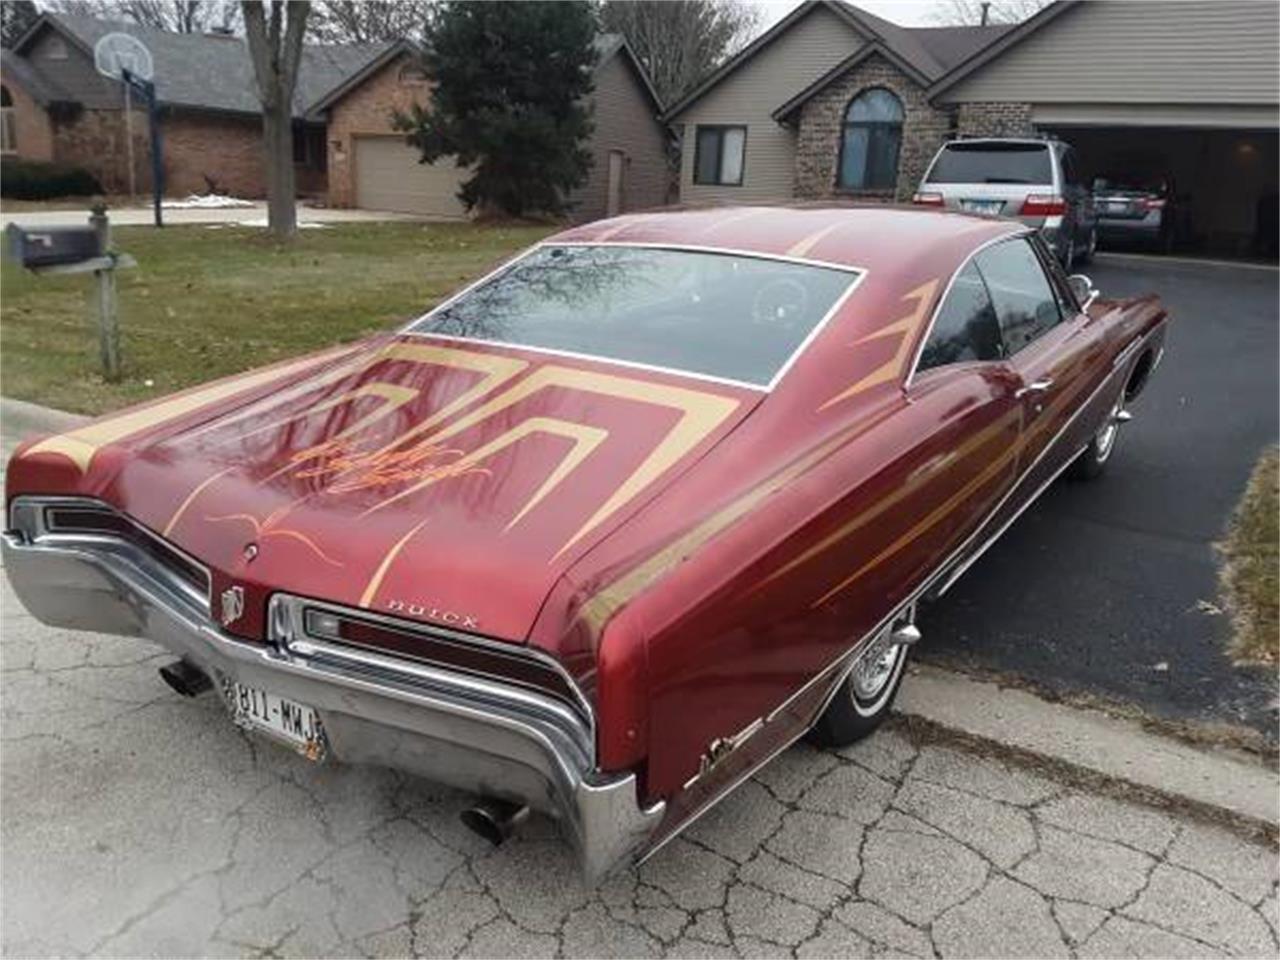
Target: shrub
x=38 y=180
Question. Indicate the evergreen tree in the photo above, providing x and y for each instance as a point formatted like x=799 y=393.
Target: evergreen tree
x=508 y=100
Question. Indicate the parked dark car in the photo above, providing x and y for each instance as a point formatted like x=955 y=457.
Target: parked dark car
x=1136 y=210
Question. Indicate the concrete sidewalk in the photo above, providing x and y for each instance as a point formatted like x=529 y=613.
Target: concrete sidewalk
x=142 y=216
x=140 y=823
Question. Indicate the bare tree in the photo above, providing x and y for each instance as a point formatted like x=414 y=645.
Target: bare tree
x=680 y=41
x=16 y=18
x=977 y=12
x=175 y=16
x=275 y=44
x=368 y=21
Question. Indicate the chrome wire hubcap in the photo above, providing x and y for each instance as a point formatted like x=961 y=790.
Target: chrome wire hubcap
x=873 y=673
x=1107 y=435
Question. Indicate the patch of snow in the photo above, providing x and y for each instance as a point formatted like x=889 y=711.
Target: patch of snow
x=302 y=224
x=206 y=201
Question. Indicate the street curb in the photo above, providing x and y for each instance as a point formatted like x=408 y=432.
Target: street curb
x=19 y=419
x=1223 y=781
x=1161 y=258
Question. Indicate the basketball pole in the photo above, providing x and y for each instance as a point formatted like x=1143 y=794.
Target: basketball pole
x=128 y=133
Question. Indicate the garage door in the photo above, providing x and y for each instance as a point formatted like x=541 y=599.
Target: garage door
x=389 y=177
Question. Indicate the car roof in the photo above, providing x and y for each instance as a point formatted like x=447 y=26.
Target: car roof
x=869 y=237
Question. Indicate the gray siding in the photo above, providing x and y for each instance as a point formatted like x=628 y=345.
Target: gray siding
x=75 y=74
x=625 y=119
x=1119 y=51
x=749 y=94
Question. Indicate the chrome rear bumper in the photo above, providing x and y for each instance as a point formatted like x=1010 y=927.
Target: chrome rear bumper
x=470 y=732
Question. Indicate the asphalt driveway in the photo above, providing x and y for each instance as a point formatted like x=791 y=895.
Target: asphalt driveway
x=1110 y=588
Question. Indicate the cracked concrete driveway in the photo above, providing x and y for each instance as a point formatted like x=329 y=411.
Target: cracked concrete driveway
x=138 y=823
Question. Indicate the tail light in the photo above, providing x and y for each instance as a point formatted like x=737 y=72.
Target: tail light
x=1043 y=205
x=928 y=199
x=1153 y=203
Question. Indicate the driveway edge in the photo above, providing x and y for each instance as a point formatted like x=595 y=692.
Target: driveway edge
x=1218 y=781
x=22 y=419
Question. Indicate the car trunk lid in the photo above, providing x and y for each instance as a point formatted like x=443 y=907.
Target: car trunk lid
x=445 y=482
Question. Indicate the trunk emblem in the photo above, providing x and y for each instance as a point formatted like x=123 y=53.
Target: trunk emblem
x=232 y=605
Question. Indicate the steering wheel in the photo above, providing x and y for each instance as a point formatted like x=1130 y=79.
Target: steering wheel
x=779 y=303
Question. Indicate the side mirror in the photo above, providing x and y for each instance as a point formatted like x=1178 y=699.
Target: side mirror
x=1083 y=288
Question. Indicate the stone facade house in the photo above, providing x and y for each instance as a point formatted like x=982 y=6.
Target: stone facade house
x=370 y=166
x=833 y=102
x=63 y=110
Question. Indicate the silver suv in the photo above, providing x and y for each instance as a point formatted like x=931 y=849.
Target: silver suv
x=1035 y=181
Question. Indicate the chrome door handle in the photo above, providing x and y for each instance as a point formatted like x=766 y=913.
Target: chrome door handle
x=1035 y=386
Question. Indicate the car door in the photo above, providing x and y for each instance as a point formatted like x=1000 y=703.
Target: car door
x=1049 y=343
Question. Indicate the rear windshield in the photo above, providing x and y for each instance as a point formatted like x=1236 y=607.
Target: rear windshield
x=721 y=315
x=1142 y=185
x=993 y=163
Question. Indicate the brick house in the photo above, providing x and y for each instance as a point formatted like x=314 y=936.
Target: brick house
x=835 y=102
x=370 y=166
x=58 y=107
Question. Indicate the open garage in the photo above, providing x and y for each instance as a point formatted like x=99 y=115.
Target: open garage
x=1222 y=184
x=1184 y=95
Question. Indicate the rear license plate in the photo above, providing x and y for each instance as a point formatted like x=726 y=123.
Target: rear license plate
x=1117 y=206
x=294 y=723
x=982 y=206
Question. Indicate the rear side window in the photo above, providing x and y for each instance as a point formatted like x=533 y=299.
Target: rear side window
x=966 y=327
x=985 y=162
x=1020 y=291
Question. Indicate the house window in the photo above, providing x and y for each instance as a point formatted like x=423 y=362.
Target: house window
x=8 y=132
x=412 y=76
x=872 y=136
x=719 y=155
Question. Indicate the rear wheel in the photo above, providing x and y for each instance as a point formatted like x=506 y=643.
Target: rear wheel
x=1086 y=255
x=864 y=698
x=1093 y=459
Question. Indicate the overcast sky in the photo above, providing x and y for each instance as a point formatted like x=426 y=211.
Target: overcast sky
x=908 y=13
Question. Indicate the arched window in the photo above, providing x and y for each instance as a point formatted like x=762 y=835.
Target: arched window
x=8 y=132
x=870 y=142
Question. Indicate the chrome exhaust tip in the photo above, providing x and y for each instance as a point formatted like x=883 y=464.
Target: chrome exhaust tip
x=494 y=819
x=186 y=678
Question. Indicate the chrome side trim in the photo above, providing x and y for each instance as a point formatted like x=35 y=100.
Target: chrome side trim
x=859 y=275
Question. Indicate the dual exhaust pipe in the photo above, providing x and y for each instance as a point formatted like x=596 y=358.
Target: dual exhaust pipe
x=491 y=818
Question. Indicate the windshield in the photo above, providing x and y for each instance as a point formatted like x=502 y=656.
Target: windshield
x=732 y=317
x=993 y=163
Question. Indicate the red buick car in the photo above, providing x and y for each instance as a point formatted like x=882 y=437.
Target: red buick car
x=608 y=529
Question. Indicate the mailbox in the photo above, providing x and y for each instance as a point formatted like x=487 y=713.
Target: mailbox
x=52 y=246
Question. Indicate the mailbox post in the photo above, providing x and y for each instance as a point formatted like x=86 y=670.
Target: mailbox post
x=108 y=319
x=58 y=250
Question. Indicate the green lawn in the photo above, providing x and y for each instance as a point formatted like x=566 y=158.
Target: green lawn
x=205 y=302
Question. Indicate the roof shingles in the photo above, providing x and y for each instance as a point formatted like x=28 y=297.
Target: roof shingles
x=214 y=72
